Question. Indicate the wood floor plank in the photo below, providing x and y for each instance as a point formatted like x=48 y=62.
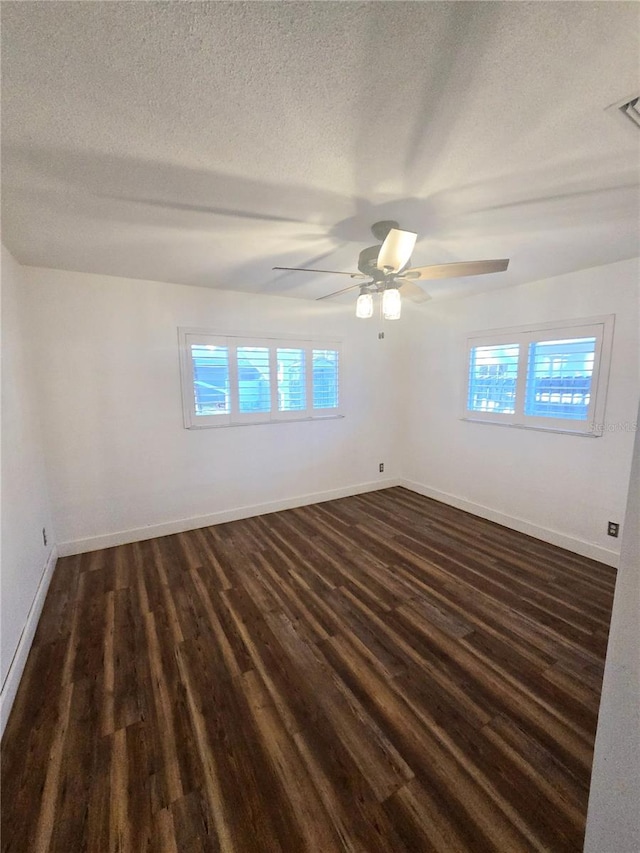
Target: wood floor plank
x=163 y=715
x=434 y=763
x=315 y=826
x=422 y=821
x=372 y=674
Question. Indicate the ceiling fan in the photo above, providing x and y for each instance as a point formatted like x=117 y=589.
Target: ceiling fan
x=386 y=266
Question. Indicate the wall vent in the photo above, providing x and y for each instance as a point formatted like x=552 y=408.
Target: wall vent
x=628 y=109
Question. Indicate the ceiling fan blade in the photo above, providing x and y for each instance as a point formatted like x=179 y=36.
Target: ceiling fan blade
x=456 y=270
x=396 y=250
x=338 y=292
x=330 y=272
x=414 y=292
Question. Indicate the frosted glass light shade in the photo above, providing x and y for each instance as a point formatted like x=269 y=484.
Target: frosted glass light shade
x=391 y=304
x=364 y=306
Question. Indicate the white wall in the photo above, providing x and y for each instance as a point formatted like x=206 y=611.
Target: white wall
x=613 y=821
x=26 y=562
x=561 y=488
x=122 y=466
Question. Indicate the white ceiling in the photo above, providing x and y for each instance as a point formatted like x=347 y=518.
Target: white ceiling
x=204 y=143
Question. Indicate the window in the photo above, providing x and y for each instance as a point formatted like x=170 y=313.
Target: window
x=211 y=379
x=325 y=379
x=292 y=379
x=493 y=371
x=233 y=379
x=254 y=380
x=552 y=376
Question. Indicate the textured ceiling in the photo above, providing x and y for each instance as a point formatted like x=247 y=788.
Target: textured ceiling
x=204 y=143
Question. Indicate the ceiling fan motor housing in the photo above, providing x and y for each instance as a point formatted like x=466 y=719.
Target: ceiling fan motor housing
x=380 y=230
x=367 y=263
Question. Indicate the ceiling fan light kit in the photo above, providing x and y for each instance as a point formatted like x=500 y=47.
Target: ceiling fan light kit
x=387 y=266
x=391 y=303
x=364 y=305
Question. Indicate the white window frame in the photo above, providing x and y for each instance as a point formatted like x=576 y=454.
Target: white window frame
x=600 y=328
x=187 y=337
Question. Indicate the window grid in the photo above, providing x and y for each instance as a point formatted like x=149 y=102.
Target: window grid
x=292 y=379
x=232 y=380
x=560 y=374
x=557 y=381
x=254 y=382
x=325 y=379
x=210 y=365
x=493 y=375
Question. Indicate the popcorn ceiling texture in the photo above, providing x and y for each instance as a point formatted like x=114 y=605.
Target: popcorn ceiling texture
x=204 y=143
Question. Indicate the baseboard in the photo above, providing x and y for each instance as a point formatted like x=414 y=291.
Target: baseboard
x=553 y=537
x=139 y=534
x=12 y=681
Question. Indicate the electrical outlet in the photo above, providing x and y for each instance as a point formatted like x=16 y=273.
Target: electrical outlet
x=44 y=535
x=380 y=336
x=381 y=467
x=613 y=528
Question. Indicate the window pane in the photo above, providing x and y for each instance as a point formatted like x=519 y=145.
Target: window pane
x=292 y=385
x=325 y=379
x=493 y=373
x=559 y=378
x=210 y=379
x=254 y=381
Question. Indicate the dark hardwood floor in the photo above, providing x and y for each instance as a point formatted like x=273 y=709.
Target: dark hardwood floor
x=378 y=673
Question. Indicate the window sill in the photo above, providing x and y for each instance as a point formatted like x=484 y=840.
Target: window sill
x=265 y=422
x=561 y=430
